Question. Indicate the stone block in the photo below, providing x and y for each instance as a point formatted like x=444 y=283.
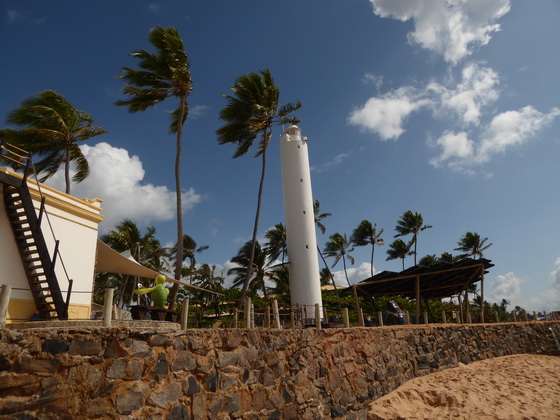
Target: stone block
x=125 y=369
x=85 y=347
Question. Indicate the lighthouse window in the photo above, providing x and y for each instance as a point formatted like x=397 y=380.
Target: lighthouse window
x=304 y=212
x=300 y=180
x=306 y=247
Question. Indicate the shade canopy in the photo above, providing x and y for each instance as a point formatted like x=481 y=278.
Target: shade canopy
x=436 y=282
x=110 y=261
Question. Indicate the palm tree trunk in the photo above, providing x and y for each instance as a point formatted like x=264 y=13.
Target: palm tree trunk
x=345 y=272
x=67 y=171
x=255 y=227
x=179 y=255
x=331 y=276
x=372 y=251
x=415 y=243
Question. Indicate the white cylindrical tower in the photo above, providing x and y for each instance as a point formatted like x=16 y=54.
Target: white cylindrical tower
x=305 y=283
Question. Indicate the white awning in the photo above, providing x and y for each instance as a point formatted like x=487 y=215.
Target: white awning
x=110 y=261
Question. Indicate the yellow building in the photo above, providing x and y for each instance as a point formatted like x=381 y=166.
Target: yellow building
x=46 y=250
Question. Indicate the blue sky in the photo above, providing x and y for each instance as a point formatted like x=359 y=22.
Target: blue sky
x=447 y=108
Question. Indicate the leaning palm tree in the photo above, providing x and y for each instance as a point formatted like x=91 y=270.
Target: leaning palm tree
x=259 y=271
x=411 y=224
x=163 y=74
x=367 y=234
x=52 y=128
x=472 y=245
x=319 y=223
x=276 y=246
x=250 y=113
x=339 y=248
x=399 y=249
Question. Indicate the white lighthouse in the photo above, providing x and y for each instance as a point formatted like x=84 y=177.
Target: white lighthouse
x=305 y=284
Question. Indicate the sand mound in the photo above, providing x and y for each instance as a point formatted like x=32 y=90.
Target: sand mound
x=511 y=387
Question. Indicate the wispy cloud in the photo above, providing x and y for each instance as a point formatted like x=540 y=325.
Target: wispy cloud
x=154 y=8
x=16 y=16
x=198 y=111
x=507 y=286
x=449 y=28
x=116 y=178
x=338 y=159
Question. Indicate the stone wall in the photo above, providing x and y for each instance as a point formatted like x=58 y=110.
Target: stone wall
x=124 y=372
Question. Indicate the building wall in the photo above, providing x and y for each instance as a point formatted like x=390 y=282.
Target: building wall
x=75 y=224
x=119 y=372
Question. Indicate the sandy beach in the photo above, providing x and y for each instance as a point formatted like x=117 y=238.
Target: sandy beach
x=510 y=387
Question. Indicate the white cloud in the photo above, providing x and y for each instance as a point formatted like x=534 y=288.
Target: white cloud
x=506 y=130
x=198 y=111
x=506 y=287
x=355 y=275
x=154 y=8
x=512 y=128
x=386 y=115
x=476 y=90
x=116 y=179
x=451 y=28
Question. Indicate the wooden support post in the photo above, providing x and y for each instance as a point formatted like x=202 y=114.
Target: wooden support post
x=426 y=321
x=526 y=316
x=275 y=315
x=266 y=322
x=345 y=317
x=380 y=316
x=407 y=317
x=292 y=320
x=482 y=294
x=545 y=317
x=235 y=318
x=469 y=319
x=443 y=317
x=185 y=314
x=247 y=313
x=460 y=308
x=417 y=299
x=497 y=317
x=514 y=315
x=534 y=316
x=317 y=316
x=108 y=307
x=361 y=317
x=325 y=314
x=358 y=309
x=5 y=293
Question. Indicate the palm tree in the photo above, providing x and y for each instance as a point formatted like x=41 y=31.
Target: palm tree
x=163 y=74
x=251 y=112
x=472 y=246
x=447 y=258
x=190 y=249
x=260 y=269
x=399 y=249
x=207 y=279
x=280 y=276
x=338 y=247
x=319 y=223
x=277 y=243
x=144 y=248
x=411 y=224
x=367 y=234
x=52 y=128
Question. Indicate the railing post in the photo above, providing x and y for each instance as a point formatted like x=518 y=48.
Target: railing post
x=497 y=317
x=235 y=318
x=292 y=319
x=317 y=316
x=5 y=293
x=426 y=320
x=380 y=316
x=266 y=322
x=514 y=315
x=247 y=313
x=55 y=254
x=185 y=314
x=534 y=316
x=443 y=317
x=108 y=307
x=345 y=317
x=275 y=315
x=545 y=317
x=406 y=317
x=41 y=211
x=68 y=294
x=526 y=316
